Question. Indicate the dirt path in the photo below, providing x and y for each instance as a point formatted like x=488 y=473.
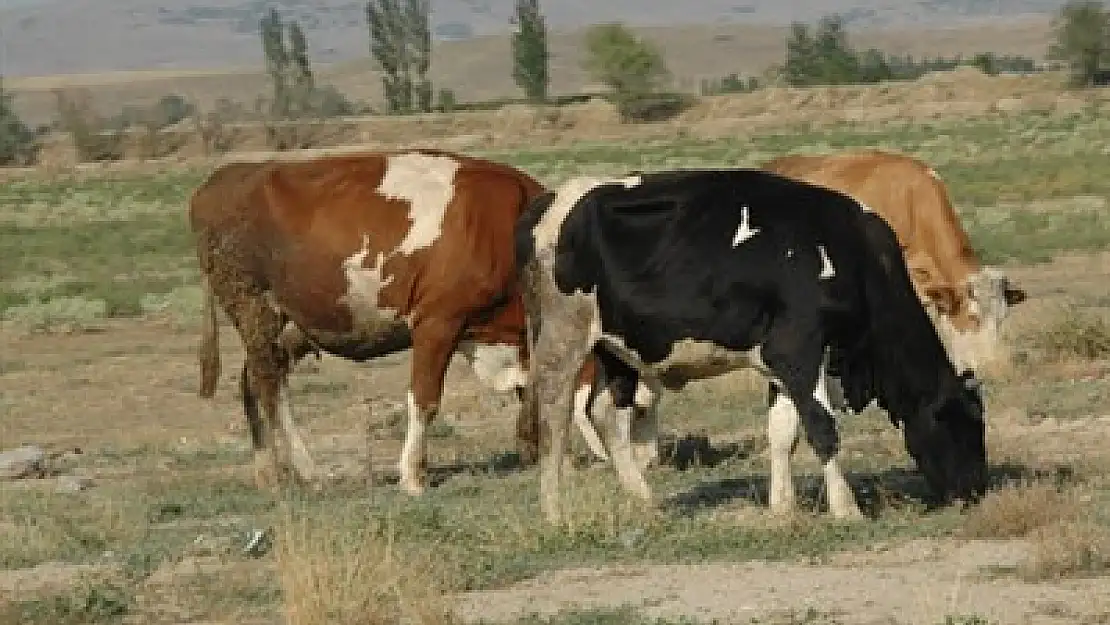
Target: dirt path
x=922 y=583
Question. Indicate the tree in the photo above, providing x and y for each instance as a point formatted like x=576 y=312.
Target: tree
x=986 y=62
x=277 y=60
x=401 y=45
x=800 y=67
x=837 y=60
x=530 y=54
x=1082 y=31
x=302 y=85
x=824 y=58
x=626 y=64
x=17 y=141
x=417 y=19
x=874 y=67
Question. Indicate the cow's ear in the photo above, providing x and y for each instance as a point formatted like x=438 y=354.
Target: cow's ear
x=1014 y=296
x=944 y=297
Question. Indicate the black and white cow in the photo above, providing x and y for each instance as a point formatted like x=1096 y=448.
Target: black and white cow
x=675 y=276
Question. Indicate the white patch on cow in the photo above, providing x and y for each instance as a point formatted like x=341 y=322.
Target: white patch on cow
x=495 y=365
x=983 y=295
x=973 y=348
x=364 y=285
x=745 y=230
x=789 y=253
x=427 y=183
x=827 y=269
x=567 y=197
x=586 y=425
x=412 y=454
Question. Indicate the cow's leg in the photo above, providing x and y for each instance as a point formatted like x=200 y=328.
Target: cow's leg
x=265 y=370
x=527 y=429
x=645 y=425
x=262 y=435
x=296 y=345
x=433 y=342
x=302 y=459
x=842 y=501
x=796 y=357
x=560 y=347
x=584 y=397
x=616 y=400
x=782 y=434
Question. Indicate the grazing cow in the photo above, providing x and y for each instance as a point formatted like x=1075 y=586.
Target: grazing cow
x=675 y=276
x=968 y=301
x=362 y=255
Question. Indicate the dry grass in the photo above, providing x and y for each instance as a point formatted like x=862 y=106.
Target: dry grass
x=1073 y=548
x=1071 y=333
x=1066 y=541
x=1016 y=510
x=345 y=570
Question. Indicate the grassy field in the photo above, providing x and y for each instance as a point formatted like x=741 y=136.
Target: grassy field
x=160 y=536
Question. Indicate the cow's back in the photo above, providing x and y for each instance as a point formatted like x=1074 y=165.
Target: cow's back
x=908 y=195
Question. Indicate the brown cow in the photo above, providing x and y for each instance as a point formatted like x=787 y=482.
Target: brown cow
x=968 y=301
x=362 y=255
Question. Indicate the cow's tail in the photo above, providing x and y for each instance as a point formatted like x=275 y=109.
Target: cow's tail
x=209 y=351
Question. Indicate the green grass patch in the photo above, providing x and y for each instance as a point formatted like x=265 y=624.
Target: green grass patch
x=114 y=240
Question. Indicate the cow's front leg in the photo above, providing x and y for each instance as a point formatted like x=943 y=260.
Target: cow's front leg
x=433 y=342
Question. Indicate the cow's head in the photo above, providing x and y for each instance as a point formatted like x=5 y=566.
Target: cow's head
x=948 y=442
x=970 y=316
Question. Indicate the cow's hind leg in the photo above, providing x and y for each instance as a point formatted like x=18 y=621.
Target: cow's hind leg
x=619 y=384
x=645 y=425
x=561 y=345
x=433 y=342
x=795 y=357
x=265 y=380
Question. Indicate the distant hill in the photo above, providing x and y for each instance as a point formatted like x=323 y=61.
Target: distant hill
x=43 y=37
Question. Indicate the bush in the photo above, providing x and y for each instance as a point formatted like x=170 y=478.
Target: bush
x=18 y=144
x=632 y=68
x=447 y=101
x=1075 y=334
x=91 y=135
x=732 y=83
x=652 y=107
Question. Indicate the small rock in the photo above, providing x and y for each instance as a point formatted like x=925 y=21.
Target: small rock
x=73 y=483
x=258 y=544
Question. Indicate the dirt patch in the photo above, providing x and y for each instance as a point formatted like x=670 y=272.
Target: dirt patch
x=48 y=577
x=922 y=582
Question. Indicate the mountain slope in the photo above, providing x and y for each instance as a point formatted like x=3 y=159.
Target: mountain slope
x=42 y=37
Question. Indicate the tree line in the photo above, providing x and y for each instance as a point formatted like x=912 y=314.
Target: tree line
x=633 y=70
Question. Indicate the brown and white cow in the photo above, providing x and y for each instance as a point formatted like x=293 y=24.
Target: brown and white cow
x=967 y=300
x=362 y=255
